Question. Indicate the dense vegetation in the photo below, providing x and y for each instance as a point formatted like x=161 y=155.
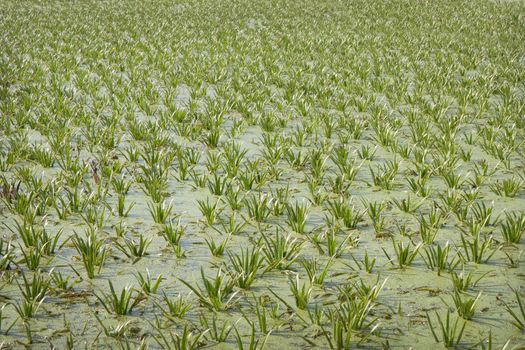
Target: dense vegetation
x=249 y=174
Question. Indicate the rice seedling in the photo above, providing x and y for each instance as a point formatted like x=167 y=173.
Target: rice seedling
x=451 y=332
x=408 y=205
x=209 y=211
x=244 y=267
x=121 y=303
x=315 y=274
x=341 y=210
x=217 y=185
x=134 y=249
x=175 y=308
x=188 y=340
x=297 y=216
x=92 y=250
x=405 y=255
x=518 y=316
x=374 y=211
x=437 y=258
x=508 y=187
x=366 y=263
x=513 y=227
x=465 y=306
x=254 y=343
x=385 y=174
x=258 y=207
x=160 y=212
x=216 y=332
x=301 y=292
x=217 y=293
x=475 y=250
x=61 y=282
x=147 y=284
x=280 y=251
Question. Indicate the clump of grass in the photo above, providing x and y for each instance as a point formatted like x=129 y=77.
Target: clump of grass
x=297 y=216
x=217 y=293
x=92 y=250
x=121 y=303
x=451 y=332
x=244 y=267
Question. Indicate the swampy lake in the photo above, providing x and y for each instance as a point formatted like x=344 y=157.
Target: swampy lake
x=342 y=174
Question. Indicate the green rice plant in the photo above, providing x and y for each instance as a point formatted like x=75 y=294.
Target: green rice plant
x=465 y=306
x=217 y=292
x=477 y=251
x=258 y=207
x=513 y=227
x=335 y=247
x=352 y=313
x=317 y=193
x=317 y=164
x=244 y=267
x=234 y=198
x=27 y=308
x=297 y=216
x=134 y=249
x=175 y=308
x=374 y=211
x=36 y=289
x=385 y=174
x=172 y=234
x=121 y=303
x=92 y=250
x=451 y=332
x=160 y=212
x=209 y=211
x=407 y=205
x=339 y=184
x=121 y=206
x=216 y=332
x=462 y=281
x=486 y=344
x=217 y=249
x=518 y=316
x=254 y=343
x=483 y=214
x=419 y=186
x=32 y=256
x=429 y=226
x=188 y=340
x=217 y=185
x=341 y=336
x=117 y=332
x=27 y=231
x=508 y=187
x=280 y=251
x=213 y=161
x=92 y=216
x=437 y=258
x=315 y=274
x=6 y=255
x=301 y=292
x=147 y=284
x=366 y=263
x=60 y=282
x=42 y=156
x=233 y=156
x=341 y=210
x=405 y=255
x=199 y=180
x=262 y=313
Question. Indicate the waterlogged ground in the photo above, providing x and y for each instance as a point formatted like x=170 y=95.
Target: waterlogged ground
x=368 y=153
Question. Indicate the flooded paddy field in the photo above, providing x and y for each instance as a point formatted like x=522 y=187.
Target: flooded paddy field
x=262 y=174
